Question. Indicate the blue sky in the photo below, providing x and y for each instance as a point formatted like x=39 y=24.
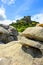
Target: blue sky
x=11 y=10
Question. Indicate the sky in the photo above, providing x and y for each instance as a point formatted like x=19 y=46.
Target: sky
x=11 y=10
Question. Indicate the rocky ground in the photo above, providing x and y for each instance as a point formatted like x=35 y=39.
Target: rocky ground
x=24 y=48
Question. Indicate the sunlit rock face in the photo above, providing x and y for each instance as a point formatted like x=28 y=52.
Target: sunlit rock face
x=35 y=33
x=15 y=53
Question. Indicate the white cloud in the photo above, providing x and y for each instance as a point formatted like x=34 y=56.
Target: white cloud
x=6 y=22
x=8 y=2
x=38 y=17
x=3 y=17
x=2 y=13
x=14 y=21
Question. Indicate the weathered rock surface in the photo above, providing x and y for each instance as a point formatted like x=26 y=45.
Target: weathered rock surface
x=8 y=34
x=5 y=61
x=32 y=43
x=4 y=26
x=34 y=33
x=3 y=31
x=29 y=42
x=32 y=39
x=13 y=32
x=15 y=53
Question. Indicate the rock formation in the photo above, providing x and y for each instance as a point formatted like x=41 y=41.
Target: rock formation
x=28 y=50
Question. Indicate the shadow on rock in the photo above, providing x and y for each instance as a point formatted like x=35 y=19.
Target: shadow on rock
x=35 y=52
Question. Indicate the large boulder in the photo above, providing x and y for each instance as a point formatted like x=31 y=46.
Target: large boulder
x=35 y=44
x=14 y=53
x=8 y=34
x=35 y=33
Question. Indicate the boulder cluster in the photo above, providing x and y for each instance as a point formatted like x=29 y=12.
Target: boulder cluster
x=7 y=34
x=27 y=50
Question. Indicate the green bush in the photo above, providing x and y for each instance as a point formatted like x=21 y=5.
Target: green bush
x=23 y=23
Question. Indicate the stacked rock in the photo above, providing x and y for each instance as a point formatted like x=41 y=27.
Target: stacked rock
x=33 y=38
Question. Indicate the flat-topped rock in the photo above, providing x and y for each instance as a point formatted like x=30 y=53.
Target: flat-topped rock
x=34 y=33
x=28 y=42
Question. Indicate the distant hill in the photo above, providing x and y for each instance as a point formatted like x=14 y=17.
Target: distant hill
x=23 y=23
